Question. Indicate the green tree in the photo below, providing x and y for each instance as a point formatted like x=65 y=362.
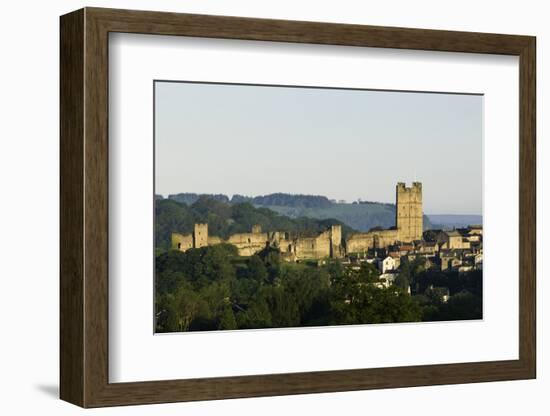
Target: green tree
x=228 y=320
x=283 y=307
x=368 y=273
x=461 y=306
x=257 y=315
x=353 y=302
x=257 y=269
x=402 y=280
x=170 y=217
x=181 y=309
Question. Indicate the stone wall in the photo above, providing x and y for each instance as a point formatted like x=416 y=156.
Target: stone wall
x=282 y=242
x=362 y=242
x=359 y=243
x=249 y=244
x=313 y=247
x=182 y=242
x=213 y=240
x=326 y=244
x=384 y=238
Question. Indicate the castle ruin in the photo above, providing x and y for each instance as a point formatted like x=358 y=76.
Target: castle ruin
x=408 y=228
x=326 y=244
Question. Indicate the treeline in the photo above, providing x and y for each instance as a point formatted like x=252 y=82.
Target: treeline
x=287 y=200
x=277 y=199
x=360 y=216
x=189 y=198
x=225 y=219
x=212 y=288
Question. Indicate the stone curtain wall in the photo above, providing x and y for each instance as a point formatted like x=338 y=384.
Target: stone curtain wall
x=249 y=244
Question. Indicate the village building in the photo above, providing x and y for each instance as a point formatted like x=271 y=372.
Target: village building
x=452 y=240
x=427 y=248
x=386 y=264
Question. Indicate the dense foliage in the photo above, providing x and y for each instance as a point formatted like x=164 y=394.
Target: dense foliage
x=428 y=287
x=212 y=288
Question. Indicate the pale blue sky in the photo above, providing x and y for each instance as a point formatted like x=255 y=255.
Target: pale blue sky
x=344 y=144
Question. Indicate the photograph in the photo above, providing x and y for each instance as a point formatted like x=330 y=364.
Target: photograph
x=285 y=206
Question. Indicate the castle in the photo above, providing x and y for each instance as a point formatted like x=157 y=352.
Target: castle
x=408 y=228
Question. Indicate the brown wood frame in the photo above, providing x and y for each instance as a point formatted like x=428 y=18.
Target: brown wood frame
x=84 y=208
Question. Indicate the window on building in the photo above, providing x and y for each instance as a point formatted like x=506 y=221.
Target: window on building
x=179 y=245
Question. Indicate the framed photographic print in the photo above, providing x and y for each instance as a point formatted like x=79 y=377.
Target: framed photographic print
x=255 y=207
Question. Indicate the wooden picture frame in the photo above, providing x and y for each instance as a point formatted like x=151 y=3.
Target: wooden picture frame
x=84 y=207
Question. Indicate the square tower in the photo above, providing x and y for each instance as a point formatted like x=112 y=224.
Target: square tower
x=408 y=212
x=200 y=235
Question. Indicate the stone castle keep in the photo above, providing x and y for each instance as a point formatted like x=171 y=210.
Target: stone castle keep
x=408 y=228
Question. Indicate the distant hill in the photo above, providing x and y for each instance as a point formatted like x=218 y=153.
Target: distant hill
x=448 y=221
x=359 y=216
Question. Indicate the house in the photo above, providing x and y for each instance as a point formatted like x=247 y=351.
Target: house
x=386 y=264
x=472 y=233
x=453 y=239
x=449 y=259
x=427 y=248
x=405 y=249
